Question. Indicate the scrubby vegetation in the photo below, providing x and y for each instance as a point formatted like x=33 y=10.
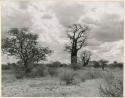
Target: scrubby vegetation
x=77 y=77
x=68 y=77
x=52 y=71
x=112 y=88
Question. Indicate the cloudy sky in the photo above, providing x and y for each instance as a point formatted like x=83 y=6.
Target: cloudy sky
x=50 y=19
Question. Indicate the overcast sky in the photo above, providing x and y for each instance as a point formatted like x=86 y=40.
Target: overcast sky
x=50 y=20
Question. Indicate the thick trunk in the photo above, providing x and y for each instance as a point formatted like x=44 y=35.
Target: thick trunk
x=74 y=57
x=74 y=52
x=27 y=68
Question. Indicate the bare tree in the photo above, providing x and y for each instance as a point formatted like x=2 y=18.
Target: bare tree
x=85 y=57
x=24 y=45
x=77 y=35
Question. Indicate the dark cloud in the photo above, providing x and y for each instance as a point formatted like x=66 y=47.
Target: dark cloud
x=68 y=13
x=14 y=17
x=110 y=29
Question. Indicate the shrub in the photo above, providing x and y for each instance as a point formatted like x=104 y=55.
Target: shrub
x=54 y=64
x=108 y=78
x=63 y=65
x=18 y=70
x=52 y=71
x=113 y=89
x=93 y=75
x=5 y=67
x=95 y=64
x=76 y=66
x=116 y=65
x=82 y=78
x=39 y=70
x=67 y=76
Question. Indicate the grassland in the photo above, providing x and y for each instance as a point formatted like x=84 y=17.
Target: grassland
x=87 y=83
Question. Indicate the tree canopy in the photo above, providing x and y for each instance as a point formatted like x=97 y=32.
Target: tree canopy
x=23 y=44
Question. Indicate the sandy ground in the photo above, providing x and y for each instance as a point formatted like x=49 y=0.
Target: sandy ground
x=48 y=87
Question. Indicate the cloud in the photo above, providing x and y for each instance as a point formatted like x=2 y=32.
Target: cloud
x=105 y=22
x=110 y=29
x=23 y=4
x=46 y=16
x=93 y=42
x=111 y=51
x=50 y=20
x=68 y=12
x=14 y=16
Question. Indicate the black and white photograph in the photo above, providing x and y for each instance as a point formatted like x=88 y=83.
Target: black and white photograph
x=62 y=48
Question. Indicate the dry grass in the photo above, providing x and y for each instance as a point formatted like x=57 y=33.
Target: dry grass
x=67 y=75
x=112 y=88
x=54 y=87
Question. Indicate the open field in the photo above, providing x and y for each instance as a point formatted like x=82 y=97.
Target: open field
x=49 y=86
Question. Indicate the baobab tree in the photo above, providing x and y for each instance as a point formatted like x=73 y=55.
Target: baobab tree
x=77 y=35
x=85 y=57
x=22 y=44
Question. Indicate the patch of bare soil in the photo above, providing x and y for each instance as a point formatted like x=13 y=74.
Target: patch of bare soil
x=49 y=87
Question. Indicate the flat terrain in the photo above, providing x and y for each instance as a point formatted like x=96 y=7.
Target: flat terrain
x=50 y=86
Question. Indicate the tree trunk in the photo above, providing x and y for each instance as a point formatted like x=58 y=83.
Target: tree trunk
x=87 y=61
x=74 y=57
x=103 y=68
x=27 y=68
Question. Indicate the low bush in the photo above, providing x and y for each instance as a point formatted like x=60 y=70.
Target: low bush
x=5 y=67
x=67 y=76
x=93 y=75
x=54 y=64
x=116 y=65
x=82 y=78
x=88 y=75
x=112 y=89
x=63 y=65
x=76 y=66
x=39 y=70
x=52 y=71
x=19 y=71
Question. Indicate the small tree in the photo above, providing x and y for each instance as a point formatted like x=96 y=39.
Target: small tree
x=85 y=57
x=77 y=35
x=96 y=64
x=22 y=44
x=103 y=63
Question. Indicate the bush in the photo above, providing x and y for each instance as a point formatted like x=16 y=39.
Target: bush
x=116 y=65
x=113 y=89
x=52 y=71
x=82 y=78
x=54 y=64
x=93 y=75
x=5 y=67
x=76 y=66
x=95 y=64
x=67 y=76
x=63 y=65
x=39 y=70
x=18 y=70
